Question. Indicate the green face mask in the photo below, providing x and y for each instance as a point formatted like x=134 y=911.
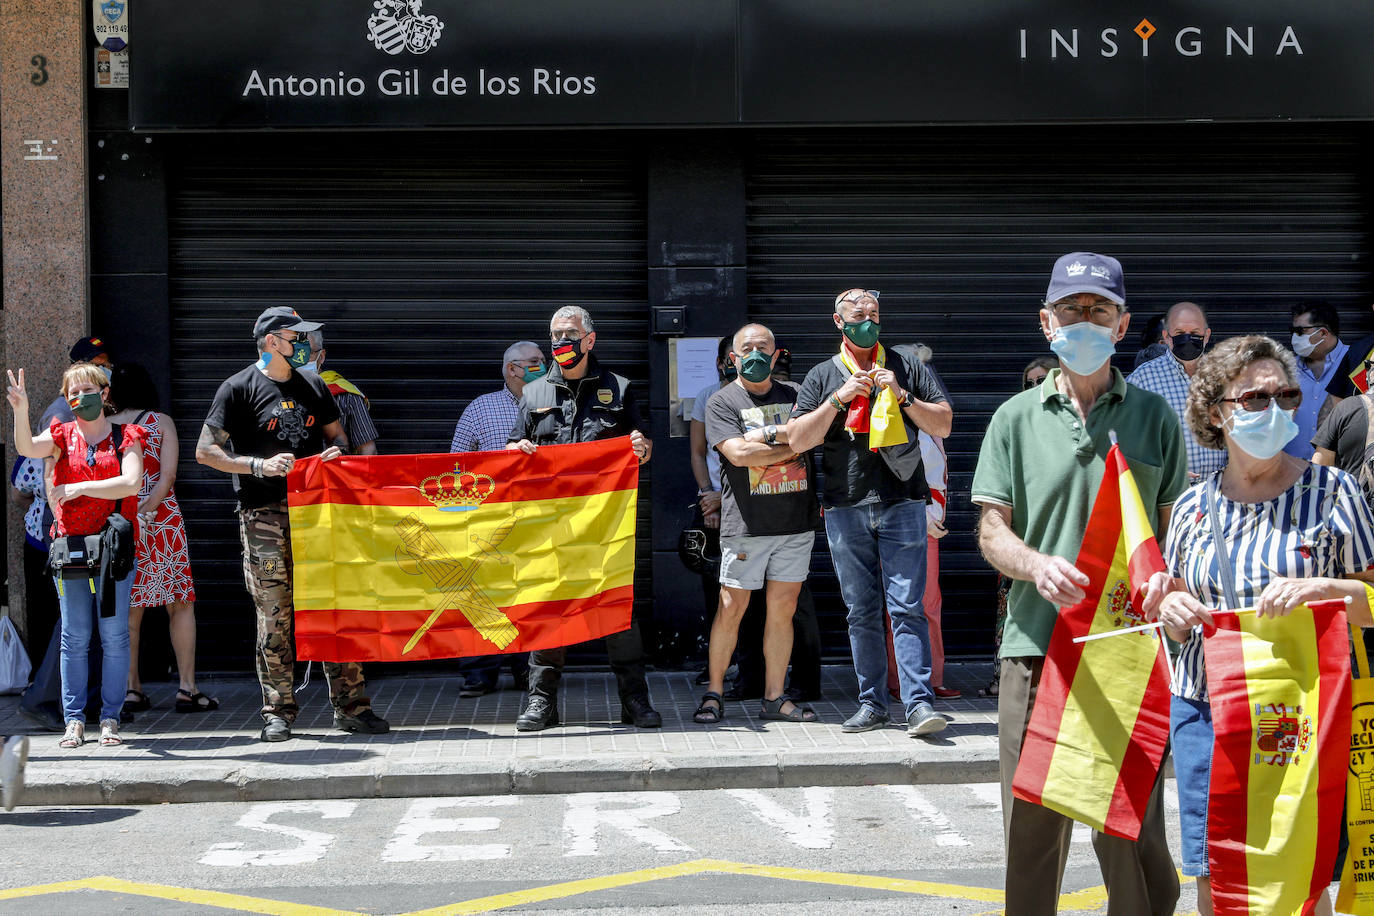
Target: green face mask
x=536 y=372
x=300 y=353
x=862 y=334
x=88 y=406
x=757 y=366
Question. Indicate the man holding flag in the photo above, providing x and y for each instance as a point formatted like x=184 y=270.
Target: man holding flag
x=579 y=400
x=1039 y=471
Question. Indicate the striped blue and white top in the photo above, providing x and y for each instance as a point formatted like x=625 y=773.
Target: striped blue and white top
x=1320 y=526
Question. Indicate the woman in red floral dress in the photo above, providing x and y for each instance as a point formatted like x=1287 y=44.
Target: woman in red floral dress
x=163 y=577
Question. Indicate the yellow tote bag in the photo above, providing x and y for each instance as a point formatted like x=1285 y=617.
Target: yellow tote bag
x=1357 y=877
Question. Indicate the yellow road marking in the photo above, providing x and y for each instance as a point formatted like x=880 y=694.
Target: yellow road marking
x=565 y=889
x=1092 y=898
x=182 y=895
x=872 y=882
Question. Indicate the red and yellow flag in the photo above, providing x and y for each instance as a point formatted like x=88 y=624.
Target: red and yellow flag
x=1101 y=719
x=1280 y=695
x=442 y=556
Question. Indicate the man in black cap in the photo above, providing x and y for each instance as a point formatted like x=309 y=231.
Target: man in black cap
x=272 y=415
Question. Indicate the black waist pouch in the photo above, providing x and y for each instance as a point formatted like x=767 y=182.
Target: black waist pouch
x=75 y=557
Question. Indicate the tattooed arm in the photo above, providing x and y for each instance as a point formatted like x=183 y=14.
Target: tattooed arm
x=336 y=441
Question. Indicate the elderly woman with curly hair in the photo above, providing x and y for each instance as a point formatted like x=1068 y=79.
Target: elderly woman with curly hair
x=1294 y=532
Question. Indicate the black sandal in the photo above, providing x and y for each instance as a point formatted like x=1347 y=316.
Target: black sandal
x=710 y=715
x=195 y=702
x=772 y=710
x=139 y=703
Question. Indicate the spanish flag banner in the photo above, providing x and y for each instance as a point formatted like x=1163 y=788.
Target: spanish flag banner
x=1280 y=697
x=1357 y=874
x=1097 y=733
x=441 y=556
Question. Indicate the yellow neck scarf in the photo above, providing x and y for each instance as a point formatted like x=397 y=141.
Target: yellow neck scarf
x=883 y=422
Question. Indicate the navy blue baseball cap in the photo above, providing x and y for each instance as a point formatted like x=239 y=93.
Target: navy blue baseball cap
x=1085 y=272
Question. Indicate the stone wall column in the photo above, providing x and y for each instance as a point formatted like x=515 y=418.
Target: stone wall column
x=43 y=48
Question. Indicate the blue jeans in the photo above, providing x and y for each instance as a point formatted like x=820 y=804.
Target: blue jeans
x=79 y=617
x=880 y=549
x=1190 y=730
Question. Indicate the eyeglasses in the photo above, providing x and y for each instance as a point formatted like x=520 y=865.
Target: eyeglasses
x=90 y=456
x=1097 y=313
x=289 y=339
x=1034 y=381
x=1304 y=329
x=1256 y=401
x=854 y=295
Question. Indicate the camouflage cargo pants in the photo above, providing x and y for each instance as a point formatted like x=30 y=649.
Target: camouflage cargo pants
x=266 y=537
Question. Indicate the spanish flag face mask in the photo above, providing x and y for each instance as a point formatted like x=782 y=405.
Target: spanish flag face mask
x=568 y=352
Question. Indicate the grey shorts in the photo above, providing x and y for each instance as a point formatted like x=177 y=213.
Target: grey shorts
x=747 y=562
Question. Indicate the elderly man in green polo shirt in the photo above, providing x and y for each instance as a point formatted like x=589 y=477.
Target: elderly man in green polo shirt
x=1041 y=463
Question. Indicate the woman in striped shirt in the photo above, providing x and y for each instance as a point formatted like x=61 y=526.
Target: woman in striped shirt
x=1294 y=532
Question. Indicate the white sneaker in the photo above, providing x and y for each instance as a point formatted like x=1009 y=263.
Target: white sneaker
x=12 y=759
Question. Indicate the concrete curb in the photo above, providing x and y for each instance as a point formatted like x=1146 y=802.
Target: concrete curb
x=227 y=781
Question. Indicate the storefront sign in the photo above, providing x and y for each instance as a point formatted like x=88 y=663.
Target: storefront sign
x=419 y=63
x=433 y=63
x=1011 y=60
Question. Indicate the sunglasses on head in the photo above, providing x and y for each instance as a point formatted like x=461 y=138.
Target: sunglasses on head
x=1255 y=401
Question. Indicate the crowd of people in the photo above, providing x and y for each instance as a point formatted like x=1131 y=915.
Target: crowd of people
x=1241 y=445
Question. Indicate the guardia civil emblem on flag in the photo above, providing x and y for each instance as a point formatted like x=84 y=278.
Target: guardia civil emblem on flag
x=404 y=557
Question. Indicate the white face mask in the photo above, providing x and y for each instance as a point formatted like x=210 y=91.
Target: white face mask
x=309 y=368
x=1304 y=344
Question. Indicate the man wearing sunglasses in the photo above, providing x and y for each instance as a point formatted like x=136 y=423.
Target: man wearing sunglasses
x=580 y=400
x=1186 y=335
x=263 y=418
x=1039 y=470
x=1316 y=341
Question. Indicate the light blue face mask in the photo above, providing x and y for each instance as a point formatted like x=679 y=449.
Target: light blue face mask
x=1082 y=348
x=1262 y=433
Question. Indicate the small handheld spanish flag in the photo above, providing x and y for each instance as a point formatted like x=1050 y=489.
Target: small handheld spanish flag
x=1097 y=734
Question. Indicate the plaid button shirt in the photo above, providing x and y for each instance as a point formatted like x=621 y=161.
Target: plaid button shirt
x=487 y=423
x=1164 y=376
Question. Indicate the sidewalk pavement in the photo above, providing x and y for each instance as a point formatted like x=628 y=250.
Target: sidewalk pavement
x=442 y=745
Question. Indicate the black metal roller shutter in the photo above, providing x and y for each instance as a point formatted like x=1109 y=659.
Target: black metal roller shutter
x=958 y=229
x=425 y=255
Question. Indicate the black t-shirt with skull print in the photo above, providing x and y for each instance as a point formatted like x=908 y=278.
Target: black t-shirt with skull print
x=264 y=417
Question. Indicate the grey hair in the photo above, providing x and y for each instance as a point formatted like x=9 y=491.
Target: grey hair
x=316 y=339
x=515 y=348
x=575 y=311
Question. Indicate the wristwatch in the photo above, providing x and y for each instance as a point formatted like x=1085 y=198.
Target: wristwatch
x=770 y=434
x=908 y=399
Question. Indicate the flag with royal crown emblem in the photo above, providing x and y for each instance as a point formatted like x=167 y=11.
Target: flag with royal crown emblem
x=1097 y=733
x=406 y=557
x=1280 y=697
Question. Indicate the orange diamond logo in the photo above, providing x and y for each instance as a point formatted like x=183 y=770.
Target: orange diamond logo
x=1145 y=29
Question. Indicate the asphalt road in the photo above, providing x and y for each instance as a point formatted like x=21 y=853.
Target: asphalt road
x=879 y=849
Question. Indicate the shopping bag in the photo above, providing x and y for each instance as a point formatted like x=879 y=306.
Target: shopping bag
x=14 y=661
x=1357 y=877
